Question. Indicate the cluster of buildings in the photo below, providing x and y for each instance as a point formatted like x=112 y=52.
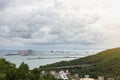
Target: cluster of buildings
x=26 y=52
x=65 y=75
x=22 y=53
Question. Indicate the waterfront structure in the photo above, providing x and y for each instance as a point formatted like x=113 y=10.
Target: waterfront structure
x=26 y=52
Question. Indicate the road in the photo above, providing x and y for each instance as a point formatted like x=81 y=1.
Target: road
x=73 y=66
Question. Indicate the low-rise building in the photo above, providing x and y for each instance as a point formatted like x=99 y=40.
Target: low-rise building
x=76 y=75
x=63 y=75
x=53 y=73
x=101 y=78
x=86 y=79
x=110 y=79
x=43 y=73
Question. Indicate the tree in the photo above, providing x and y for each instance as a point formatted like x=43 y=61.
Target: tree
x=23 y=72
x=7 y=70
x=35 y=74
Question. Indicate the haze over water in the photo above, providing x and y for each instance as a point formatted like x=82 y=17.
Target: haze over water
x=47 y=54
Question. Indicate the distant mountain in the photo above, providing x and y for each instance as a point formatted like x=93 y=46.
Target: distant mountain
x=105 y=63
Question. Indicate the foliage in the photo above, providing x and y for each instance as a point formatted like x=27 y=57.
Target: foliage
x=8 y=71
x=105 y=63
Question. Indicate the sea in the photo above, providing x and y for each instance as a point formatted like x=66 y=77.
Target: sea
x=43 y=57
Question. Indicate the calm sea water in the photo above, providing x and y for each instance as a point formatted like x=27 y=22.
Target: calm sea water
x=46 y=57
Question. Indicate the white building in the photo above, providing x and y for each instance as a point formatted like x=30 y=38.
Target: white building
x=63 y=75
x=86 y=78
x=53 y=73
x=43 y=72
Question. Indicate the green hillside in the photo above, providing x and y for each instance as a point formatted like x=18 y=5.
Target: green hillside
x=105 y=63
x=8 y=71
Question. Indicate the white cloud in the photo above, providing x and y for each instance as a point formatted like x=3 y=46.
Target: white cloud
x=85 y=22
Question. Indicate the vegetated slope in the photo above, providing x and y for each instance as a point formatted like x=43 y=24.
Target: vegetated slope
x=8 y=71
x=106 y=63
x=100 y=57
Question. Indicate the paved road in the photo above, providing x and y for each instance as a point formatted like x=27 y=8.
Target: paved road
x=73 y=66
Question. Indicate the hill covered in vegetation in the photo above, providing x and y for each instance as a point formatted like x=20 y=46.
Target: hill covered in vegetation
x=105 y=63
x=8 y=71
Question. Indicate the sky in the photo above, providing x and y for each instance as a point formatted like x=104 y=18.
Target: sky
x=93 y=23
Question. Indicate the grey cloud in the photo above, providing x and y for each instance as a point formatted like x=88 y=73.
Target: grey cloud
x=3 y=4
x=62 y=29
x=52 y=23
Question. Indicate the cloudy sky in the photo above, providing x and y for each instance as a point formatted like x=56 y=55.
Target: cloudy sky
x=60 y=22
